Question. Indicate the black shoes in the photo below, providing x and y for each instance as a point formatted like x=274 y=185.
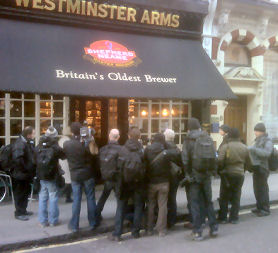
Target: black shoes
x=22 y=217
x=115 y=238
x=69 y=200
x=28 y=213
x=197 y=237
x=260 y=213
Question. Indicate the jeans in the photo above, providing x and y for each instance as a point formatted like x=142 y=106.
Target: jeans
x=201 y=203
x=122 y=204
x=48 y=193
x=172 y=202
x=108 y=187
x=158 y=195
x=261 y=190
x=22 y=190
x=230 y=191
x=89 y=187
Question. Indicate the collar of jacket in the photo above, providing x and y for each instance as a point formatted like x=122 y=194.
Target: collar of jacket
x=261 y=137
x=113 y=142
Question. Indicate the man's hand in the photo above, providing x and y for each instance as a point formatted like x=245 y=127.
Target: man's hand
x=187 y=179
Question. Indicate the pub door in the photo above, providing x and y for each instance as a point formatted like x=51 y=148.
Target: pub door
x=95 y=112
x=235 y=115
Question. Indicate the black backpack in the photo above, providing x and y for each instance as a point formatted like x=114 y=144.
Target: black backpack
x=132 y=165
x=45 y=160
x=273 y=160
x=6 y=158
x=108 y=162
x=204 y=156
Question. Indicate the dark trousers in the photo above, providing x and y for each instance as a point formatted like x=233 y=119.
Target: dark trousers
x=230 y=192
x=122 y=204
x=68 y=191
x=201 y=197
x=261 y=190
x=172 y=202
x=22 y=190
x=108 y=187
x=187 y=192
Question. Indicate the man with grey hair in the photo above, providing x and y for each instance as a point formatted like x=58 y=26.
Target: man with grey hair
x=109 y=171
x=176 y=171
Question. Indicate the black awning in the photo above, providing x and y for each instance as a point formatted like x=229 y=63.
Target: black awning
x=44 y=58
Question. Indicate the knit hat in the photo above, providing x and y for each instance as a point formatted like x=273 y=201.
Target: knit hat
x=225 y=128
x=193 y=124
x=51 y=132
x=260 y=127
x=233 y=133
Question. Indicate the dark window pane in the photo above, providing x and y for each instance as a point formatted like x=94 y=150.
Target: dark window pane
x=58 y=97
x=45 y=96
x=175 y=111
x=164 y=125
x=16 y=95
x=155 y=126
x=29 y=96
x=183 y=136
x=144 y=128
x=58 y=109
x=155 y=111
x=2 y=95
x=16 y=127
x=2 y=142
x=29 y=123
x=29 y=109
x=44 y=125
x=2 y=127
x=177 y=139
x=176 y=125
x=16 y=109
x=2 y=108
x=184 y=110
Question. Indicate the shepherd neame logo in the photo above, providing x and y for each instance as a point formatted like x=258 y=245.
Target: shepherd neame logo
x=111 y=54
x=115 y=76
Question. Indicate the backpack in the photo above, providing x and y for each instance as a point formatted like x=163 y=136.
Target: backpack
x=6 y=158
x=108 y=163
x=45 y=161
x=133 y=169
x=204 y=156
x=273 y=160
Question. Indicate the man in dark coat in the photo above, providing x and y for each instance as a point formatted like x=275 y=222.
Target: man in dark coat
x=223 y=131
x=23 y=171
x=260 y=151
x=81 y=172
x=130 y=190
x=200 y=192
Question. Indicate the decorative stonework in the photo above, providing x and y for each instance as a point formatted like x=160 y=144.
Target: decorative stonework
x=244 y=73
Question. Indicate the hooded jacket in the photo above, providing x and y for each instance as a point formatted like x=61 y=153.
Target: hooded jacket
x=261 y=151
x=187 y=155
x=23 y=159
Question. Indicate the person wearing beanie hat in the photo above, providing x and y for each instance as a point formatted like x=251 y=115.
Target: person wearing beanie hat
x=223 y=131
x=232 y=159
x=198 y=184
x=51 y=132
x=260 y=152
x=47 y=155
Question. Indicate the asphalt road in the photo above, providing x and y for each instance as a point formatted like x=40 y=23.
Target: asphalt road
x=251 y=235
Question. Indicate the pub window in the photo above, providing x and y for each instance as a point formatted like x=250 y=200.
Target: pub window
x=237 y=55
x=154 y=116
x=19 y=110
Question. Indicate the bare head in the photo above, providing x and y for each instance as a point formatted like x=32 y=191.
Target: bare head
x=169 y=135
x=134 y=133
x=114 y=135
x=28 y=133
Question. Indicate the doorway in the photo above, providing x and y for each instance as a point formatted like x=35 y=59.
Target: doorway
x=235 y=115
x=95 y=112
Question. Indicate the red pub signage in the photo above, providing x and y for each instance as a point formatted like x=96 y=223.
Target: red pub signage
x=111 y=53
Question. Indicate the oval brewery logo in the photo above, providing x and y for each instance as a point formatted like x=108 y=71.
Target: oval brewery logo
x=111 y=54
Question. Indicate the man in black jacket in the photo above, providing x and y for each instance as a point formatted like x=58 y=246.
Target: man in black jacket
x=111 y=150
x=130 y=190
x=158 y=175
x=200 y=192
x=47 y=154
x=79 y=159
x=23 y=171
x=223 y=131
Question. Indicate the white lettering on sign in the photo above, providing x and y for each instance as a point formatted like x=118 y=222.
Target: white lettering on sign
x=115 y=76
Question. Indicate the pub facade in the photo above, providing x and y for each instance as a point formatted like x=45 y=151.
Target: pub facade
x=114 y=64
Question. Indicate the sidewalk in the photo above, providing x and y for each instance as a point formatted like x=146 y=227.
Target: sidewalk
x=14 y=233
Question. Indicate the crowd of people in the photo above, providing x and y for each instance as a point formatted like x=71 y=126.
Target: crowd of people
x=145 y=181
